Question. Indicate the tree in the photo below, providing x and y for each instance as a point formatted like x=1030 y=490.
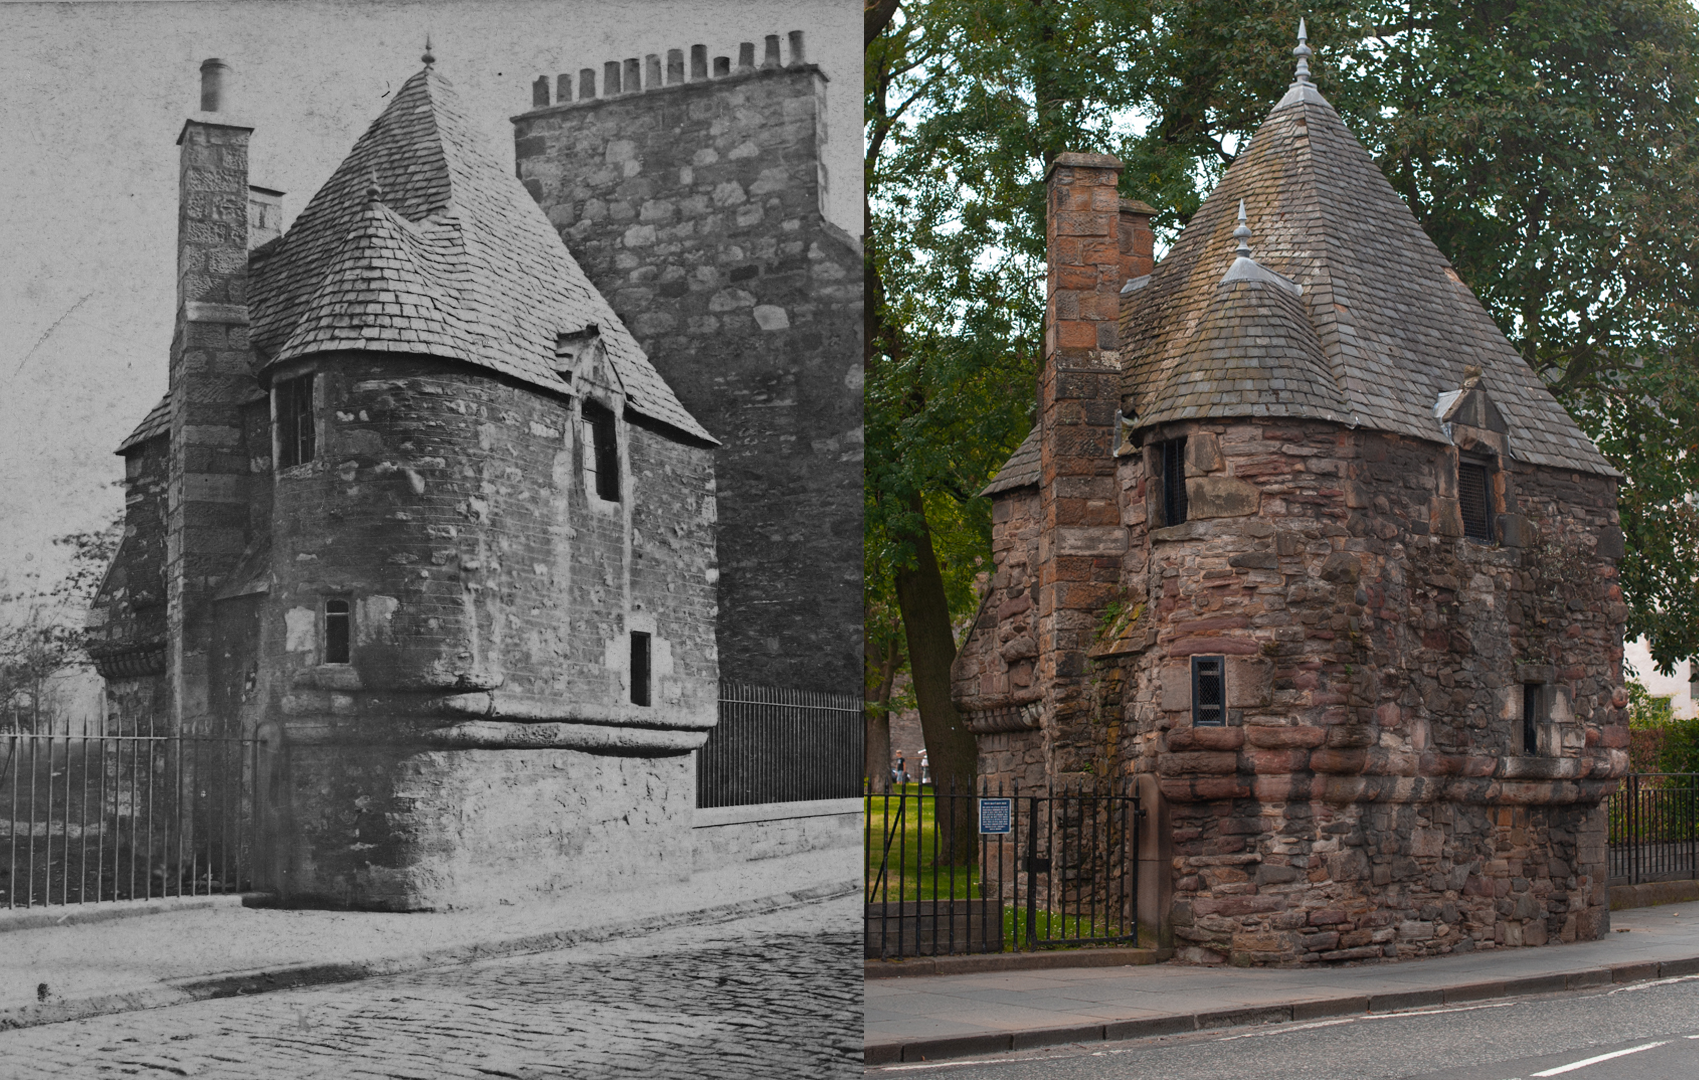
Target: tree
x=43 y=634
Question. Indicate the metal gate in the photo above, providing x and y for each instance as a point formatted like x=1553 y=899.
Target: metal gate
x=89 y=818
x=1064 y=874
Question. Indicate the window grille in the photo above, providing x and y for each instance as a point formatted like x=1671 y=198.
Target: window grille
x=1533 y=715
x=1173 y=464
x=639 y=668
x=337 y=624
x=1209 y=691
x=295 y=432
x=1472 y=496
x=601 y=450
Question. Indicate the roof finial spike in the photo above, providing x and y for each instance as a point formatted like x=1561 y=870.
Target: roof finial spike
x=428 y=58
x=1302 y=52
x=1243 y=234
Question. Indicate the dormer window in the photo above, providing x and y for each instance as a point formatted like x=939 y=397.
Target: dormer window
x=1474 y=498
x=601 y=450
x=293 y=409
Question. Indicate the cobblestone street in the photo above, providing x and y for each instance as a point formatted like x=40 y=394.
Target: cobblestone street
x=779 y=995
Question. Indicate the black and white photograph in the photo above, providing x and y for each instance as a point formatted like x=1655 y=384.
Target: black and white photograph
x=431 y=540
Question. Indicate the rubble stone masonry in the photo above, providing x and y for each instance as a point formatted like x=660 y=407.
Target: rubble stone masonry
x=695 y=208
x=1369 y=795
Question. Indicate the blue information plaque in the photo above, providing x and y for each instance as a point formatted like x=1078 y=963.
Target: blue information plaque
x=996 y=816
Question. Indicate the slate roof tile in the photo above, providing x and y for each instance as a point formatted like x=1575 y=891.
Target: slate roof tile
x=156 y=423
x=1021 y=470
x=466 y=260
x=1392 y=327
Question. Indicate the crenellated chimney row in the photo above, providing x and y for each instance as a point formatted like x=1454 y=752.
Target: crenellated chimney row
x=633 y=76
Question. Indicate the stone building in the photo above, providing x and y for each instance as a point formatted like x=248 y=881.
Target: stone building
x=417 y=513
x=1302 y=546
x=692 y=191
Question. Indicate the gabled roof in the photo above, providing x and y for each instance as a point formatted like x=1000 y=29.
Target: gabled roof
x=1021 y=470
x=485 y=274
x=156 y=423
x=1395 y=325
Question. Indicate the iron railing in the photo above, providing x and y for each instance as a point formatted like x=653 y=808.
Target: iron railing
x=1654 y=828
x=778 y=745
x=89 y=818
x=1064 y=874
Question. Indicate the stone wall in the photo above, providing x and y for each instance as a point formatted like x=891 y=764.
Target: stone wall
x=695 y=208
x=725 y=835
x=1369 y=795
x=482 y=741
x=126 y=621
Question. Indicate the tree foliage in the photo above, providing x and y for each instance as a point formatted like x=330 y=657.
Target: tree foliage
x=42 y=629
x=1549 y=148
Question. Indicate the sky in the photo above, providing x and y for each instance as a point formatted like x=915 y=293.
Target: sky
x=96 y=94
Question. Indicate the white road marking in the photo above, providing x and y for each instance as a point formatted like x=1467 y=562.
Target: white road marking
x=1631 y=987
x=1572 y=1066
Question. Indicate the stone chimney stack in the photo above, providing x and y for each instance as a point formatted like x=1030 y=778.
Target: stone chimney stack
x=209 y=379
x=1138 y=240
x=1082 y=536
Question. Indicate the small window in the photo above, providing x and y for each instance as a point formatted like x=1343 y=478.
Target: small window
x=1473 y=497
x=601 y=451
x=1209 y=691
x=639 y=668
x=1533 y=715
x=1171 y=459
x=295 y=434
x=337 y=624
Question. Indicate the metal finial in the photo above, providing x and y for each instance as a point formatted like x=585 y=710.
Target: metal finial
x=428 y=58
x=1242 y=234
x=1302 y=52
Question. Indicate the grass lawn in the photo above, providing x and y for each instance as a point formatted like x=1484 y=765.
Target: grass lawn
x=904 y=864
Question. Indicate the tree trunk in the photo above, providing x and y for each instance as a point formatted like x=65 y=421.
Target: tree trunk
x=878 y=737
x=951 y=749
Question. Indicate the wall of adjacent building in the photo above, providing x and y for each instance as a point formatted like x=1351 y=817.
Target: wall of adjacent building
x=695 y=208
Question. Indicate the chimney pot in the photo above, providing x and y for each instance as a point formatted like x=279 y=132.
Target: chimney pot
x=797 y=55
x=633 y=81
x=586 y=83
x=698 y=62
x=651 y=71
x=771 y=59
x=563 y=89
x=213 y=84
x=540 y=92
x=722 y=66
x=675 y=66
x=610 y=78
x=746 y=56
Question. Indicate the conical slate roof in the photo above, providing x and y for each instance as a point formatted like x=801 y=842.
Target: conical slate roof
x=1395 y=325
x=487 y=275
x=1253 y=353
x=387 y=289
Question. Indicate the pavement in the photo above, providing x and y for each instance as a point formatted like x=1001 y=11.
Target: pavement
x=66 y=963
x=933 y=1017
